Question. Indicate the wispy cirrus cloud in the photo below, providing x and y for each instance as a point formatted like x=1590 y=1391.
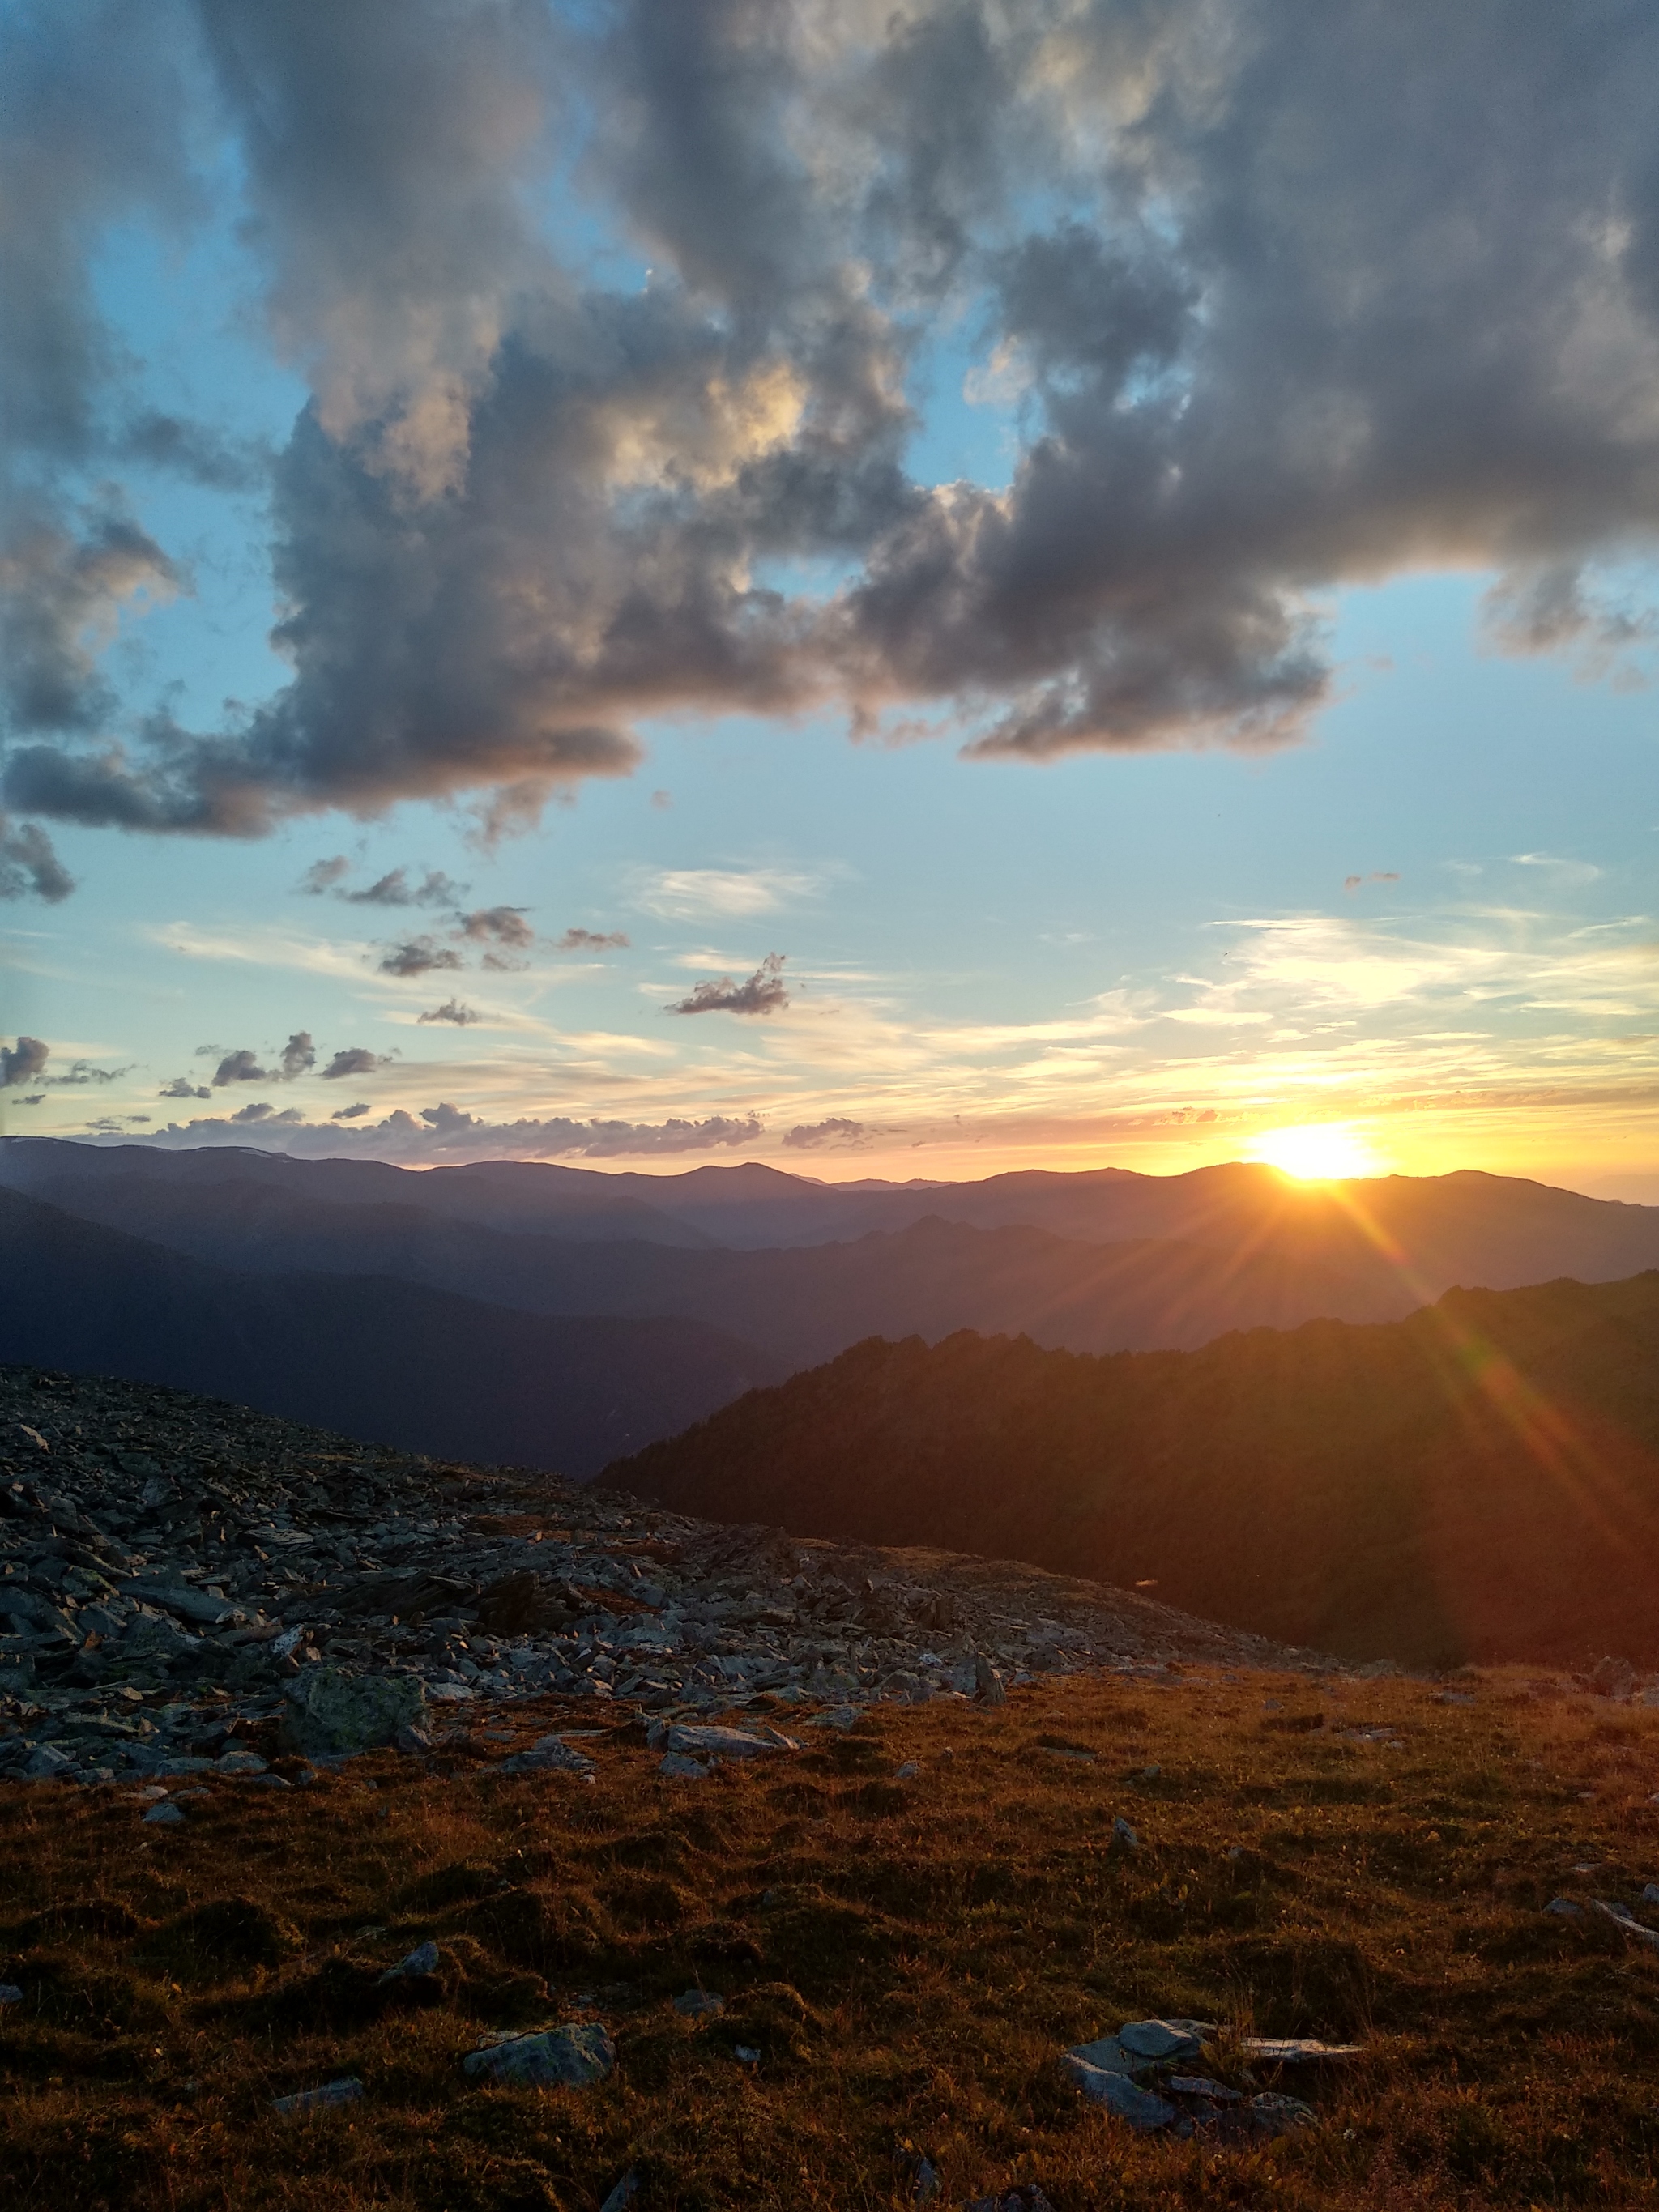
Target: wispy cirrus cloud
x=692 y=894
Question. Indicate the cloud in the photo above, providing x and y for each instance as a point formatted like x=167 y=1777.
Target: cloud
x=324 y=875
x=82 y=1075
x=681 y=894
x=589 y=940
x=353 y=1113
x=62 y=588
x=1553 y=608
x=762 y=993
x=392 y=890
x=29 y=863
x=327 y=877
x=452 y=1011
x=1274 y=302
x=193 y=451
x=241 y=1066
x=299 y=1055
x=355 y=1059
x=499 y=926
x=838 y=1132
x=1376 y=876
x=22 y=1063
x=182 y=1087
x=417 y=956
x=447 y=1131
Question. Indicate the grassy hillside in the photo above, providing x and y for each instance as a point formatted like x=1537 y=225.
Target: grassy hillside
x=1478 y=1482
x=908 y=1957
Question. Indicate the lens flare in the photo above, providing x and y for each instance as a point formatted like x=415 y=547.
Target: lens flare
x=1326 y=1151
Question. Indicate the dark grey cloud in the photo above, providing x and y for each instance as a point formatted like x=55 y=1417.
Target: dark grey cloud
x=590 y=940
x=453 y=1011
x=836 y=1134
x=62 y=584
x=327 y=877
x=22 y=1063
x=503 y=930
x=1285 y=298
x=499 y=925
x=82 y=1075
x=763 y=992
x=182 y=1087
x=91 y=95
x=193 y=451
x=417 y=956
x=241 y=1066
x=28 y=864
x=298 y=1057
x=391 y=889
x=394 y=888
x=447 y=1131
x=355 y=1059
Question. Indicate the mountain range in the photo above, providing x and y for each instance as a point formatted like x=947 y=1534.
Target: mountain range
x=370 y=1355
x=563 y=1316
x=1478 y=1482
x=1103 y=1260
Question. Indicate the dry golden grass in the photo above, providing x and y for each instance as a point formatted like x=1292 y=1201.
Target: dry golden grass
x=910 y=1957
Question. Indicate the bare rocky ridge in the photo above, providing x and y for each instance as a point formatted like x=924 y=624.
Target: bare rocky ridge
x=172 y=1566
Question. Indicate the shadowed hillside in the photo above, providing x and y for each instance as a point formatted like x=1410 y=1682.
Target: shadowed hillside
x=1481 y=1480
x=378 y=1359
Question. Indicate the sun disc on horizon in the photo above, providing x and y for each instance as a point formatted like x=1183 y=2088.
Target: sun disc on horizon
x=1329 y=1152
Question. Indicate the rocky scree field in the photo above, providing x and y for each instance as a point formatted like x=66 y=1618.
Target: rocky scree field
x=664 y=1937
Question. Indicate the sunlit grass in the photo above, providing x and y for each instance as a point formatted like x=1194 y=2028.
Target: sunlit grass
x=913 y=1955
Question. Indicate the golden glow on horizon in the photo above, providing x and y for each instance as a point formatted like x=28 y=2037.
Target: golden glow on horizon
x=1317 y=1152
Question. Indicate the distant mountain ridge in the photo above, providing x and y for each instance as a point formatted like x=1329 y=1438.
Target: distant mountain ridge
x=1480 y=1482
x=393 y=1362
x=1096 y=1262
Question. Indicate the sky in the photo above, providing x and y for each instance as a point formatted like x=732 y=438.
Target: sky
x=903 y=591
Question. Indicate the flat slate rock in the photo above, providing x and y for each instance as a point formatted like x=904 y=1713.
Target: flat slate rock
x=1296 y=2050
x=348 y=2091
x=1161 y=2041
x=1141 y=2108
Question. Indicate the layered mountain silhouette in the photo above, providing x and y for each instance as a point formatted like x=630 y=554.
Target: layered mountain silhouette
x=1480 y=1482
x=1092 y=1262
x=375 y=1357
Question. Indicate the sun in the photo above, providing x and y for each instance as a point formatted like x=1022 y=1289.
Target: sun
x=1328 y=1151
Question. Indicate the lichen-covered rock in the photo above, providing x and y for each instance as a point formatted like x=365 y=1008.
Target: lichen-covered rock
x=329 y=1713
x=568 y=2058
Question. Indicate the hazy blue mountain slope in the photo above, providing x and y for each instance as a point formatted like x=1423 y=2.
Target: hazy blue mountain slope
x=379 y=1358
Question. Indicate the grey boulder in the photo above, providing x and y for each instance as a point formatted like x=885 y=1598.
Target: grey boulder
x=568 y=2058
x=329 y=1713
